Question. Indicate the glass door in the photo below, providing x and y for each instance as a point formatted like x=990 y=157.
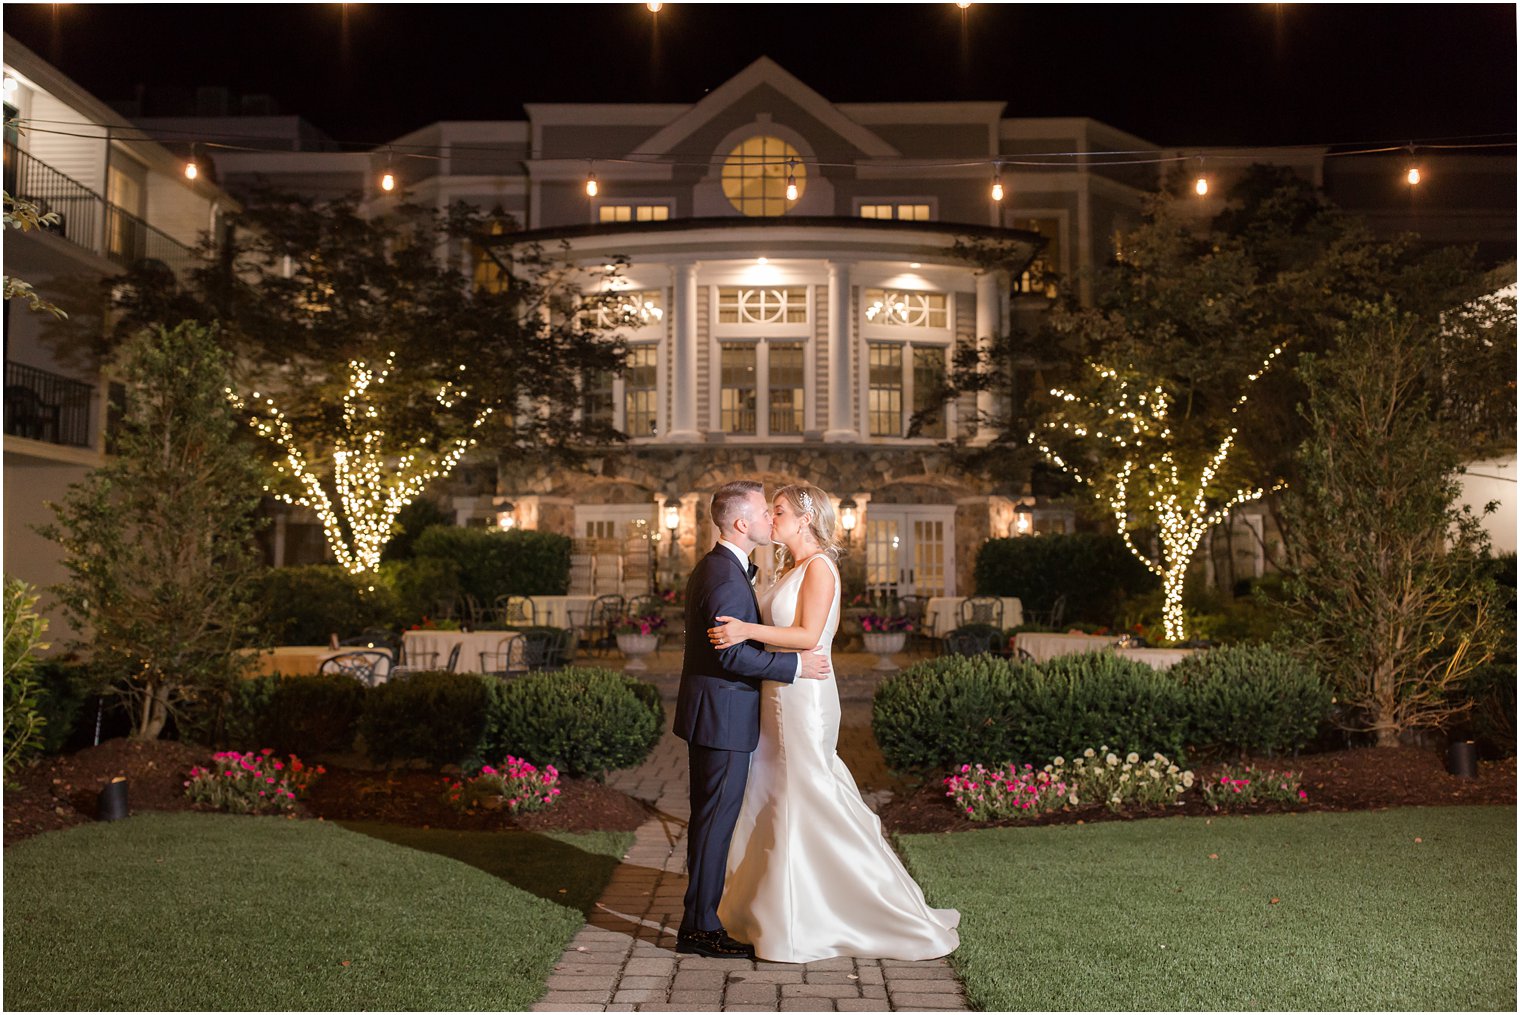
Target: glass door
x=910 y=550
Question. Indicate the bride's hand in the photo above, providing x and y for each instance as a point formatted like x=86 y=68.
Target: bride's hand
x=729 y=631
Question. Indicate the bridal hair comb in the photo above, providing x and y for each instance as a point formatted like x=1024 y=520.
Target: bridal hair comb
x=807 y=501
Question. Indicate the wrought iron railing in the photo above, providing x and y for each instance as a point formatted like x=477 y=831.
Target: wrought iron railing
x=46 y=407
x=129 y=240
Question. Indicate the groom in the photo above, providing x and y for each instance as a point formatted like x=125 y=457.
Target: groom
x=718 y=710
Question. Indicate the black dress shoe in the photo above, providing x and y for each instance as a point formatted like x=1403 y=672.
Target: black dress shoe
x=715 y=944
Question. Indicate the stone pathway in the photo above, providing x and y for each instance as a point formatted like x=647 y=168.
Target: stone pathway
x=624 y=959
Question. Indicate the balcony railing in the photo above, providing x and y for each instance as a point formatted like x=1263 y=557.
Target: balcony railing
x=83 y=213
x=46 y=407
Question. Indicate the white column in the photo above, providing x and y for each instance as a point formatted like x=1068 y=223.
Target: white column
x=841 y=415
x=683 y=424
x=989 y=307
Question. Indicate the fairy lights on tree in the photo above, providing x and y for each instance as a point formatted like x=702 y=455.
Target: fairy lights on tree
x=1141 y=472
x=370 y=480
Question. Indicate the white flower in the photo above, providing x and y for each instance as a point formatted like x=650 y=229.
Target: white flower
x=1124 y=777
x=1159 y=757
x=1087 y=753
x=1133 y=758
x=1111 y=759
x=1072 y=798
x=1057 y=762
x=1128 y=765
x=1116 y=798
x=1187 y=778
x=1046 y=769
x=1172 y=770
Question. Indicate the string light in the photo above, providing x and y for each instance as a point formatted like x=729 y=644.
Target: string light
x=654 y=8
x=192 y=170
x=370 y=485
x=1135 y=422
x=1201 y=186
x=997 y=182
x=388 y=180
x=591 y=188
x=1413 y=176
x=791 y=179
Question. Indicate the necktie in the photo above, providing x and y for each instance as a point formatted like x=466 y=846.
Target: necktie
x=751 y=571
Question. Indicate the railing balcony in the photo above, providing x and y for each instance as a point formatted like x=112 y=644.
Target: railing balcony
x=46 y=407
x=83 y=214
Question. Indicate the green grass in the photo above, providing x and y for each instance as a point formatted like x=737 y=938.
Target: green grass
x=1136 y=916
x=206 y=912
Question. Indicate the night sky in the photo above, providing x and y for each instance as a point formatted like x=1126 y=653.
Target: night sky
x=1176 y=75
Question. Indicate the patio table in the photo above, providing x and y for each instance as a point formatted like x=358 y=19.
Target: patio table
x=436 y=646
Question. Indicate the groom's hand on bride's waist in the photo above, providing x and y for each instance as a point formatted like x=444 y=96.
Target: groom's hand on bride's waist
x=815 y=665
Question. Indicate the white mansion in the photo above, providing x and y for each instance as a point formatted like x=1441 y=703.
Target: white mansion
x=793 y=261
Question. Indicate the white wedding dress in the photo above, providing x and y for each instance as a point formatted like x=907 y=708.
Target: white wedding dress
x=809 y=874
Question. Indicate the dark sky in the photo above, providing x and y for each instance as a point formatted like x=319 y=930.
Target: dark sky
x=1176 y=75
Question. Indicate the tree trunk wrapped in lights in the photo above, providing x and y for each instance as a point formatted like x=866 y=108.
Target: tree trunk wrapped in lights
x=372 y=479
x=1140 y=472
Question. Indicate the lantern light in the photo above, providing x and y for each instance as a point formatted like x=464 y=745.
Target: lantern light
x=847 y=517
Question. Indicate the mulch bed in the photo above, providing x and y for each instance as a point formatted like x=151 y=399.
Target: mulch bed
x=1359 y=779
x=61 y=791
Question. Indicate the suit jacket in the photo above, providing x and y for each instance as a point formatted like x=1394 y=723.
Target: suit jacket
x=719 y=702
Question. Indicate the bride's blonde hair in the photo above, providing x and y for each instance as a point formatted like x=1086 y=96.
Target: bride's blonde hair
x=817 y=508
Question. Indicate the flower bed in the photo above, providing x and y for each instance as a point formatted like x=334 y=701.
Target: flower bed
x=1247 y=785
x=517 y=787
x=251 y=783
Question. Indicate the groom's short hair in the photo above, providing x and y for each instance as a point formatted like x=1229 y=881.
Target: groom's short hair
x=729 y=500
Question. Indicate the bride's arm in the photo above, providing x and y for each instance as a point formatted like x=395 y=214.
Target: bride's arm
x=814 y=603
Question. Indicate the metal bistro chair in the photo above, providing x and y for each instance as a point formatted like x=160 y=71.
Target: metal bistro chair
x=413 y=662
x=916 y=609
x=368 y=666
x=644 y=606
x=453 y=664
x=1053 y=617
x=982 y=610
x=596 y=632
x=516 y=611
x=964 y=641
x=505 y=659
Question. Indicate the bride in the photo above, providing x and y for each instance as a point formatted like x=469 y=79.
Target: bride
x=809 y=874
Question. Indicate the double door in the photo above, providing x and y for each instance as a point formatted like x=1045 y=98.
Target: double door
x=910 y=551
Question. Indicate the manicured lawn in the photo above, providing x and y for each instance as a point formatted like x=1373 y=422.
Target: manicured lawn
x=203 y=911
x=1136 y=915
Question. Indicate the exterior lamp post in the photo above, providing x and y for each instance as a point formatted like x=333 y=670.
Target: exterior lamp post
x=1023 y=519
x=505 y=517
x=672 y=522
x=847 y=517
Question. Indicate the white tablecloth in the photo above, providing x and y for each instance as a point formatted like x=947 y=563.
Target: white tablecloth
x=1047 y=646
x=554 y=611
x=290 y=660
x=1158 y=658
x=420 y=644
x=943 y=613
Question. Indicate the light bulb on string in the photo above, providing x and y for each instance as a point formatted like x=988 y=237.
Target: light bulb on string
x=388 y=179
x=1413 y=176
x=192 y=170
x=1201 y=186
x=654 y=8
x=997 y=184
x=791 y=180
x=591 y=185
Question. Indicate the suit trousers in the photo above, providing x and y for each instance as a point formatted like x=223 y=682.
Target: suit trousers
x=717 y=791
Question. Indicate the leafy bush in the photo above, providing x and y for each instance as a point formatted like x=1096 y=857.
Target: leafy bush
x=1252 y=698
x=417 y=586
x=584 y=721
x=67 y=690
x=434 y=716
x=493 y=563
x=1096 y=573
x=24 y=718
x=317 y=714
x=1491 y=687
x=239 y=715
x=1101 y=698
x=942 y=711
x=305 y=605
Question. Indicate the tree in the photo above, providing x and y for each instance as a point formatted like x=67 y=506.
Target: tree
x=158 y=542
x=24 y=630
x=358 y=336
x=25 y=216
x=1389 y=598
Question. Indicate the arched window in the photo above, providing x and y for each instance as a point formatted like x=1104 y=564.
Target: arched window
x=755 y=176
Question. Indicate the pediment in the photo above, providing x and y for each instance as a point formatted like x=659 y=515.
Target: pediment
x=762 y=76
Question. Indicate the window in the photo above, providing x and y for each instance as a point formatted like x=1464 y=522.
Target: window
x=762 y=306
x=596 y=398
x=626 y=308
x=633 y=213
x=755 y=176
x=640 y=391
x=1041 y=275
x=906 y=309
x=891 y=210
x=787 y=384
x=738 y=395
x=904 y=380
x=488 y=274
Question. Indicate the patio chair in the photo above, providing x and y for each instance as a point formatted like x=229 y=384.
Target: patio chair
x=369 y=666
x=453 y=664
x=538 y=649
x=413 y=662
x=516 y=611
x=644 y=606
x=972 y=640
x=916 y=609
x=1051 y=618
x=505 y=659
x=982 y=610
x=596 y=630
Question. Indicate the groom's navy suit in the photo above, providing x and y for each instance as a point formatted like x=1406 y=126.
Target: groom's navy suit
x=718 y=715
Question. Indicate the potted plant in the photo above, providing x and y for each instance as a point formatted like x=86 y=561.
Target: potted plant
x=885 y=634
x=638 y=637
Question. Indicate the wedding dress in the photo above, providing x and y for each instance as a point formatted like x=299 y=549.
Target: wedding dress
x=809 y=874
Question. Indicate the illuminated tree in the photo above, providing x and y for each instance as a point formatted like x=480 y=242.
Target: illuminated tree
x=1144 y=473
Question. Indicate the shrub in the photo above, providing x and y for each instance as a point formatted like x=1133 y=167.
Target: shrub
x=493 y=563
x=305 y=605
x=1240 y=787
x=1252 y=698
x=1096 y=573
x=66 y=692
x=25 y=720
x=942 y=711
x=417 y=586
x=1491 y=687
x=317 y=714
x=584 y=721
x=1101 y=698
x=239 y=715
x=518 y=786
x=434 y=716
x=251 y=783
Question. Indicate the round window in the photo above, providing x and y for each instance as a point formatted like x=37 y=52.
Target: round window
x=756 y=174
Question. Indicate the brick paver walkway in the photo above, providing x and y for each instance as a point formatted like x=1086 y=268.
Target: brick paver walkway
x=624 y=959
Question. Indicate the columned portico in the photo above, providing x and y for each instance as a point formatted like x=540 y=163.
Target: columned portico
x=684 y=363
x=842 y=426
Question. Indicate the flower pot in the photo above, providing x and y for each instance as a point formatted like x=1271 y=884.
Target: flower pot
x=635 y=647
x=883 y=644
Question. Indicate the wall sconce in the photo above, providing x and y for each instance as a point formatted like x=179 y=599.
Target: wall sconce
x=505 y=517
x=847 y=517
x=1023 y=518
x=672 y=521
